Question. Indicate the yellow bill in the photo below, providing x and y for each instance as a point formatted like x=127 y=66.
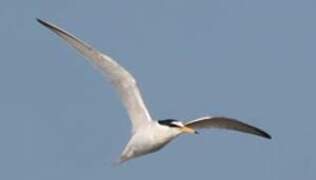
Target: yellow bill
x=188 y=130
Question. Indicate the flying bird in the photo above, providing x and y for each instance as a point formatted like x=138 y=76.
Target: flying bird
x=147 y=135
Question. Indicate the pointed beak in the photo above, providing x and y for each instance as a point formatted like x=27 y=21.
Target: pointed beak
x=188 y=130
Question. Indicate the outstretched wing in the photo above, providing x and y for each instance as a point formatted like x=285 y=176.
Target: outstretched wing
x=226 y=123
x=122 y=80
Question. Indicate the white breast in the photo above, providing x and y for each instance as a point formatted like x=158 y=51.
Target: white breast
x=149 y=139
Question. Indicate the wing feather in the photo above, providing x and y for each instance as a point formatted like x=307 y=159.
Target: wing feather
x=226 y=123
x=122 y=80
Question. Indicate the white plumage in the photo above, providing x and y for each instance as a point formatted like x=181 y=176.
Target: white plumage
x=147 y=135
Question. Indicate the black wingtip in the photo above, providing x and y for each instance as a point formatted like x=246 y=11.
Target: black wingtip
x=39 y=20
x=265 y=135
x=50 y=26
x=42 y=22
x=259 y=132
x=268 y=136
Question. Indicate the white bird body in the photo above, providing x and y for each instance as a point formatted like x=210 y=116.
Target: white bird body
x=147 y=135
x=150 y=138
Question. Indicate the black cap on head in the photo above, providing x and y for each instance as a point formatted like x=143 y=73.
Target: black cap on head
x=168 y=122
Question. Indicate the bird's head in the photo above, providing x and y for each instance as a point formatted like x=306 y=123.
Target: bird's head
x=172 y=123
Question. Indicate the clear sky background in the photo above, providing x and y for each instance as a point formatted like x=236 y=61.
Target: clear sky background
x=249 y=59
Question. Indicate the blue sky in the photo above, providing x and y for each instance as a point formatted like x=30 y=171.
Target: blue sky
x=249 y=59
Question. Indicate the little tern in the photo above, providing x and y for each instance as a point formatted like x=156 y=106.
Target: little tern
x=147 y=135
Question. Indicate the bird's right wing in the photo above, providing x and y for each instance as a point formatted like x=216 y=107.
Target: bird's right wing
x=226 y=123
x=122 y=80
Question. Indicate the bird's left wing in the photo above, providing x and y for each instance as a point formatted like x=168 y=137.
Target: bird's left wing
x=122 y=80
x=226 y=123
